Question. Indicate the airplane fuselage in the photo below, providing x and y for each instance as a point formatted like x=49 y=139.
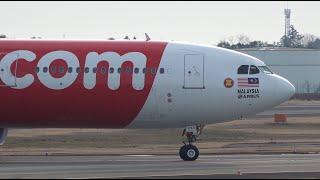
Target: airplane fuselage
x=130 y=84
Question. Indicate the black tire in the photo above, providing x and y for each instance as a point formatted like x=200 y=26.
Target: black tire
x=182 y=152
x=189 y=152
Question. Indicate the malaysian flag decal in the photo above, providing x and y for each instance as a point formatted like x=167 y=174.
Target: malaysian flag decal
x=248 y=82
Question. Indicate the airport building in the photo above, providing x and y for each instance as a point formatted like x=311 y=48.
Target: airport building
x=300 y=66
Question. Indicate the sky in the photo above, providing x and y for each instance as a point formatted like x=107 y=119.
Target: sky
x=199 y=22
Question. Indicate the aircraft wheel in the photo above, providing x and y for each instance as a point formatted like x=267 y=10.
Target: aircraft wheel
x=189 y=152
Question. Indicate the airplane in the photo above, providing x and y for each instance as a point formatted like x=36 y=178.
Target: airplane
x=131 y=84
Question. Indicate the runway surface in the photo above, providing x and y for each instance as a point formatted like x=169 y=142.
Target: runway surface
x=207 y=166
x=170 y=166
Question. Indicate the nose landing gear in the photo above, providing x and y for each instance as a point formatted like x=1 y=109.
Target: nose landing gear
x=189 y=152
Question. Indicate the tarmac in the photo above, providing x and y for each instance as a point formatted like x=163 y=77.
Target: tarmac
x=242 y=166
x=162 y=166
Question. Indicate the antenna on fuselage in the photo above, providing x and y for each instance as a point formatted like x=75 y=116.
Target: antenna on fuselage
x=147 y=37
x=126 y=37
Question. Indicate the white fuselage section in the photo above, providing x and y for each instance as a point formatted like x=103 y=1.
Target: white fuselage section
x=194 y=93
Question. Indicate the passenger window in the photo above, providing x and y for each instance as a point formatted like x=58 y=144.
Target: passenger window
x=69 y=69
x=243 y=69
x=53 y=69
x=45 y=69
x=161 y=70
x=111 y=70
x=61 y=70
x=78 y=70
x=103 y=70
x=37 y=69
x=129 y=70
x=86 y=70
x=153 y=70
x=94 y=70
x=254 y=70
x=119 y=70
x=144 y=70
x=136 y=70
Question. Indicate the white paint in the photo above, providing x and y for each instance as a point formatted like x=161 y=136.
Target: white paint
x=115 y=61
x=5 y=69
x=213 y=104
x=58 y=83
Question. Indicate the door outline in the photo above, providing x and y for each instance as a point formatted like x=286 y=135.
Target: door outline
x=184 y=72
x=9 y=69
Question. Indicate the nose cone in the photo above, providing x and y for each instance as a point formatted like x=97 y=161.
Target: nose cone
x=284 y=89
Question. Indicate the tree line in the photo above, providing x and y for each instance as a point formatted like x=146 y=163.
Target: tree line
x=293 y=40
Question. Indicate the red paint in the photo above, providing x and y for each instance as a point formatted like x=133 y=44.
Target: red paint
x=75 y=106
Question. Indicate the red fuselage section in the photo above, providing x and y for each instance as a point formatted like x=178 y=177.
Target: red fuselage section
x=76 y=106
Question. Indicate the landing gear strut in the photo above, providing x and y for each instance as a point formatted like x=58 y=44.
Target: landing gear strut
x=189 y=152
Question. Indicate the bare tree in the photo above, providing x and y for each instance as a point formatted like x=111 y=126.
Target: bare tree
x=231 y=40
x=224 y=44
x=307 y=38
x=314 y=44
x=236 y=40
x=243 y=39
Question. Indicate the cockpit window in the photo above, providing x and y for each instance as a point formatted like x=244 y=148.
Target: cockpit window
x=254 y=70
x=243 y=69
x=265 y=69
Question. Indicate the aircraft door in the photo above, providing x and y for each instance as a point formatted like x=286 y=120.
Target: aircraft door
x=193 y=71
